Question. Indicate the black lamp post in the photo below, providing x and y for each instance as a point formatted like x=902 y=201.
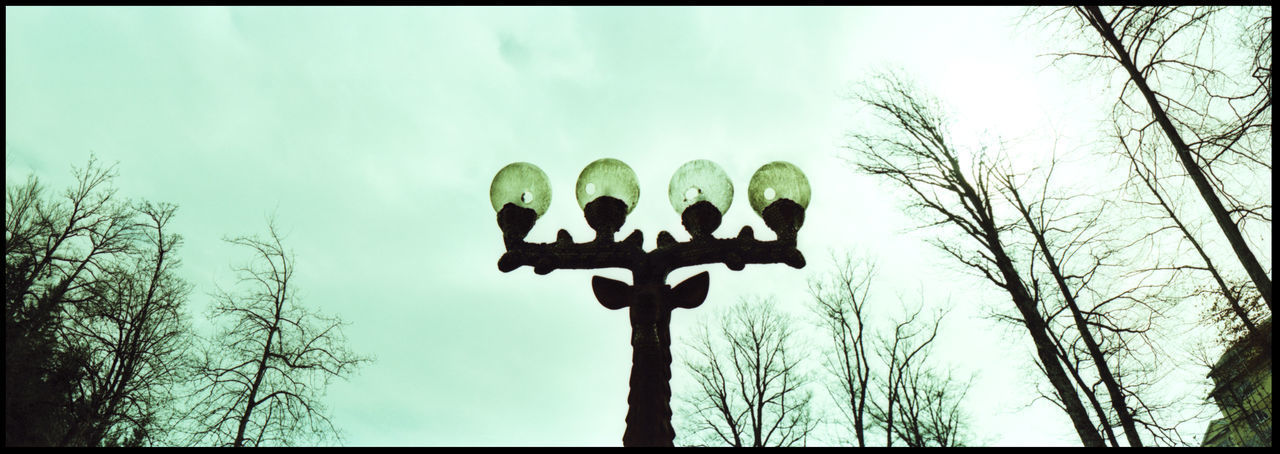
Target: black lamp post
x=607 y=191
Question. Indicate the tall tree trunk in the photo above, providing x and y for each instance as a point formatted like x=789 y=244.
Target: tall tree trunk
x=1045 y=350
x=257 y=380
x=1247 y=259
x=1093 y=402
x=1034 y=323
x=1099 y=361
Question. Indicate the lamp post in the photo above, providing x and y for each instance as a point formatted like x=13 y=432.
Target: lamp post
x=701 y=193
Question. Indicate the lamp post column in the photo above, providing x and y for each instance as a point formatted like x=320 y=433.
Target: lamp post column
x=649 y=402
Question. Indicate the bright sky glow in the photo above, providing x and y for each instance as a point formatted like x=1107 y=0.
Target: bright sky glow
x=374 y=134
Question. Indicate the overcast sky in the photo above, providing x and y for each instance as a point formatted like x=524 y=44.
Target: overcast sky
x=374 y=133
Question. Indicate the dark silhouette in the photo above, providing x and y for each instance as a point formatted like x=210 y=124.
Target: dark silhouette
x=902 y=393
x=840 y=299
x=751 y=391
x=1040 y=220
x=916 y=153
x=921 y=404
x=262 y=377
x=95 y=338
x=1234 y=306
x=1217 y=121
x=649 y=298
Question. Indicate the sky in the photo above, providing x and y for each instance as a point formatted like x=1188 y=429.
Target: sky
x=373 y=134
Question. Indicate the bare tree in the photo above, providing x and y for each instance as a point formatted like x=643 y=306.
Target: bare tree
x=931 y=407
x=45 y=257
x=1194 y=111
x=1105 y=296
x=1232 y=306
x=916 y=153
x=751 y=390
x=893 y=387
x=131 y=324
x=921 y=405
x=263 y=377
x=1215 y=115
x=94 y=332
x=1038 y=221
x=840 y=298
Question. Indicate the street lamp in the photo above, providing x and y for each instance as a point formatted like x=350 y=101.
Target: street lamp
x=607 y=191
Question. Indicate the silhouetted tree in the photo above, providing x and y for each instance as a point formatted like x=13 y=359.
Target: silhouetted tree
x=131 y=324
x=916 y=153
x=94 y=335
x=894 y=387
x=839 y=299
x=1214 y=110
x=1194 y=111
x=921 y=405
x=750 y=390
x=1235 y=305
x=263 y=376
x=1039 y=222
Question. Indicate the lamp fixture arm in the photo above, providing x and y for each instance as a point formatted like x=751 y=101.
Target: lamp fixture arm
x=670 y=254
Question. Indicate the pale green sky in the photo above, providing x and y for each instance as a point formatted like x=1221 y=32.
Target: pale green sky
x=374 y=134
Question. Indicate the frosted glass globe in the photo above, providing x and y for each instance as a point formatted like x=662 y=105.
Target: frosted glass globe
x=523 y=184
x=608 y=177
x=777 y=180
x=700 y=180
